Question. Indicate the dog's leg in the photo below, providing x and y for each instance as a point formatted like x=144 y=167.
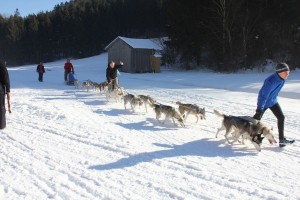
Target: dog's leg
x=165 y=120
x=257 y=147
x=228 y=130
x=226 y=133
x=220 y=129
x=166 y=117
x=186 y=115
x=236 y=134
x=125 y=104
x=174 y=121
x=243 y=139
x=132 y=106
x=158 y=116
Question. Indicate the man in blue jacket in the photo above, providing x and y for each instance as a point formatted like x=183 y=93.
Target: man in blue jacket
x=267 y=98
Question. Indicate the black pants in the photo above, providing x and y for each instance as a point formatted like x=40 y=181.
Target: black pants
x=276 y=110
x=41 y=77
x=2 y=108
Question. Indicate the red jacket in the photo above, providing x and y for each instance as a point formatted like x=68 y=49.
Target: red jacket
x=69 y=68
x=40 y=69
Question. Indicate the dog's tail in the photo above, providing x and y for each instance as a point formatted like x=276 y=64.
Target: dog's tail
x=219 y=113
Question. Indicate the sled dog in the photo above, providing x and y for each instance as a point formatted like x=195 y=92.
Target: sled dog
x=169 y=112
x=103 y=86
x=147 y=100
x=191 y=109
x=240 y=127
x=262 y=128
x=86 y=85
x=76 y=83
x=95 y=85
x=133 y=100
x=116 y=94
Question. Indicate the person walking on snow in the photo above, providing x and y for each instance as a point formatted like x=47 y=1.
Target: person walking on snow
x=68 y=68
x=4 y=89
x=41 y=70
x=267 y=99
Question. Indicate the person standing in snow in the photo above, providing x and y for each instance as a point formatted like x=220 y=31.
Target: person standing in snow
x=4 y=89
x=112 y=74
x=267 y=99
x=68 y=68
x=41 y=70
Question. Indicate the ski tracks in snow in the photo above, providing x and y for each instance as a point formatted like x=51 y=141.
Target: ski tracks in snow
x=74 y=145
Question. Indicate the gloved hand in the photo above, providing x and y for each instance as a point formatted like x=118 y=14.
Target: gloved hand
x=258 y=114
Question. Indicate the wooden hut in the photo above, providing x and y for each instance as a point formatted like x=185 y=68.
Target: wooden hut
x=138 y=55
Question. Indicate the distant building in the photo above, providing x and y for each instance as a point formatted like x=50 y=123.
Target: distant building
x=138 y=55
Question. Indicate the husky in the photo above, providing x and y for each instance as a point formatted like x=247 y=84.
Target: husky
x=86 y=85
x=116 y=94
x=147 y=100
x=103 y=86
x=95 y=86
x=169 y=112
x=76 y=83
x=240 y=127
x=193 y=109
x=133 y=100
x=262 y=128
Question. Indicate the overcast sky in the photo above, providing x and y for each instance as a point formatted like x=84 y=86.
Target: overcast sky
x=26 y=7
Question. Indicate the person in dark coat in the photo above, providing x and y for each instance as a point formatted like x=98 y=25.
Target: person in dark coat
x=4 y=89
x=41 y=70
x=112 y=74
x=68 y=68
x=267 y=99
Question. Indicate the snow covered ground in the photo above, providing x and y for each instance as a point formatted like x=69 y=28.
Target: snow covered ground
x=63 y=143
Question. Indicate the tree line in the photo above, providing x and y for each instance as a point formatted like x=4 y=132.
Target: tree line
x=78 y=28
x=224 y=35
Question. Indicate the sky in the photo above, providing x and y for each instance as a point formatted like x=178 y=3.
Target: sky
x=27 y=7
x=65 y=143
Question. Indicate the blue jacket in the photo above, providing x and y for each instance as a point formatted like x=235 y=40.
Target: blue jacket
x=267 y=96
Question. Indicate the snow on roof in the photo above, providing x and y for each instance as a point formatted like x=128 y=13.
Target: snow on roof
x=138 y=43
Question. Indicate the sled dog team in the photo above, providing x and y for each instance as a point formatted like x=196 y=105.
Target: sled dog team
x=243 y=127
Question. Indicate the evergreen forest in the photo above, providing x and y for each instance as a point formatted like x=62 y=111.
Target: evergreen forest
x=224 y=35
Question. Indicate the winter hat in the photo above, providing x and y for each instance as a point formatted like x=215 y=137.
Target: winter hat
x=282 y=67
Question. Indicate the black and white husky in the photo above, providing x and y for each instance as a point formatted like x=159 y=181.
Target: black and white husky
x=191 y=109
x=147 y=100
x=169 y=112
x=116 y=94
x=133 y=100
x=248 y=129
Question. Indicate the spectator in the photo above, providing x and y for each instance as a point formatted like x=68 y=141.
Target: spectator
x=41 y=70
x=68 y=68
x=4 y=89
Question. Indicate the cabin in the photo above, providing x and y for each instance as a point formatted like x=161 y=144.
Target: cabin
x=138 y=55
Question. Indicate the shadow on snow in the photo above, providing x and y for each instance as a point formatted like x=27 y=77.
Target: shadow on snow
x=203 y=148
